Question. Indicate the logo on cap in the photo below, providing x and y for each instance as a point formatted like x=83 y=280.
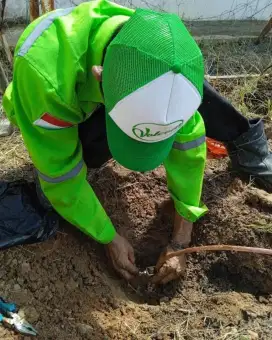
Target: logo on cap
x=150 y=132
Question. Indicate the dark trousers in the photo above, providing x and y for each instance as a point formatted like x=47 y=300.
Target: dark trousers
x=222 y=121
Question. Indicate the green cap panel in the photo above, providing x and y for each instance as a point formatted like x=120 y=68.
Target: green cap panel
x=149 y=45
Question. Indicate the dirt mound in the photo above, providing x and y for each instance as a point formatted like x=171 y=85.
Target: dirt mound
x=67 y=290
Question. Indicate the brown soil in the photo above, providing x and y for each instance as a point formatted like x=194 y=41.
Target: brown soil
x=67 y=290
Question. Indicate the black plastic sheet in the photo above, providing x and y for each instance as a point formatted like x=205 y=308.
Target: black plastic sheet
x=23 y=219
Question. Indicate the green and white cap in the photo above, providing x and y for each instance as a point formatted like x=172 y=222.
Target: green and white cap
x=153 y=84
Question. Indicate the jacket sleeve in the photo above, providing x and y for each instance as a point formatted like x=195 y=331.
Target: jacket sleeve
x=185 y=169
x=57 y=153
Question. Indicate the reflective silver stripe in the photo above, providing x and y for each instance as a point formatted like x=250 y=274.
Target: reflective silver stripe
x=68 y=175
x=189 y=145
x=40 y=28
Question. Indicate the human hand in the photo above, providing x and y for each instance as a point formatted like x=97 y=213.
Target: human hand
x=171 y=269
x=121 y=254
x=97 y=71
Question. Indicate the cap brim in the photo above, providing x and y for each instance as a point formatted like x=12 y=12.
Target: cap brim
x=135 y=155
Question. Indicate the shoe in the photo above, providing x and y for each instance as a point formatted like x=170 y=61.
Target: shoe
x=250 y=156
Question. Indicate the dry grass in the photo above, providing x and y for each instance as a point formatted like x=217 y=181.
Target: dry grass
x=15 y=163
x=236 y=56
x=251 y=96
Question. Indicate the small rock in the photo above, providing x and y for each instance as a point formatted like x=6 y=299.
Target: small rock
x=25 y=268
x=115 y=304
x=209 y=172
x=80 y=282
x=164 y=299
x=17 y=287
x=20 y=281
x=122 y=310
x=84 y=329
x=72 y=285
x=253 y=335
x=249 y=315
x=5 y=127
x=262 y=299
x=33 y=287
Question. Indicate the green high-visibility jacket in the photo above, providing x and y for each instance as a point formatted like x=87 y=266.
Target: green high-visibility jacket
x=52 y=78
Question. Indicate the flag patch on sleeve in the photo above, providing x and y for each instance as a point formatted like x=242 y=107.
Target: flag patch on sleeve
x=47 y=121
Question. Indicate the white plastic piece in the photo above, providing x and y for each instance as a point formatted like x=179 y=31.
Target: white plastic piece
x=6 y=128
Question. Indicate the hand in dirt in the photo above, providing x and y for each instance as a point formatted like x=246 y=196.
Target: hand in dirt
x=168 y=270
x=121 y=254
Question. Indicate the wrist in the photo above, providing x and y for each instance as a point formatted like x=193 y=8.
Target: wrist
x=107 y=234
x=182 y=232
x=114 y=240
